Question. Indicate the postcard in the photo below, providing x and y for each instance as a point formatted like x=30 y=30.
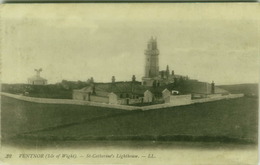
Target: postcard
x=129 y=83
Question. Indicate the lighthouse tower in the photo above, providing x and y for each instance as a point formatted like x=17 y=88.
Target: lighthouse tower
x=151 y=59
x=151 y=75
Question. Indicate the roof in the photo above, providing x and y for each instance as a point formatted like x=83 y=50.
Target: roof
x=85 y=89
x=121 y=87
x=166 y=90
x=127 y=87
x=37 y=78
x=116 y=88
x=188 y=86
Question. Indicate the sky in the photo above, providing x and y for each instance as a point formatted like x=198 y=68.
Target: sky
x=207 y=42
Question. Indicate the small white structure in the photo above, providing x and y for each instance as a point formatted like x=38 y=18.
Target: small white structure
x=180 y=99
x=82 y=94
x=112 y=98
x=89 y=94
x=37 y=79
x=174 y=92
x=166 y=95
x=148 y=96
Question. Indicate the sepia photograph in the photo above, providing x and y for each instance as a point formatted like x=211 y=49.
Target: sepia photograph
x=129 y=83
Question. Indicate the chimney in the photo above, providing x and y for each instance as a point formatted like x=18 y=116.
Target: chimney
x=172 y=72
x=113 y=79
x=132 y=84
x=212 y=87
x=133 y=78
x=167 y=71
x=91 y=80
x=93 y=89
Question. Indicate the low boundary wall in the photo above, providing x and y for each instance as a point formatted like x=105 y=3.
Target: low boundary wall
x=215 y=98
x=123 y=107
x=68 y=101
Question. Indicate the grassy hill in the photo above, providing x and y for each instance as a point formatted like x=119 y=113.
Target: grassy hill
x=247 y=89
x=232 y=120
x=22 y=116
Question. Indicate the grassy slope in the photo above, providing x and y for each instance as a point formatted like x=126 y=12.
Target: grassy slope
x=236 y=118
x=247 y=89
x=20 y=116
x=231 y=118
